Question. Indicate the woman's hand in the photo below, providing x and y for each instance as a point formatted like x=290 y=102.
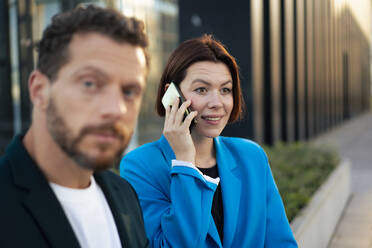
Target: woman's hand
x=177 y=132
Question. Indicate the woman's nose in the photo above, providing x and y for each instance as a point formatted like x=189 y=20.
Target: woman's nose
x=215 y=100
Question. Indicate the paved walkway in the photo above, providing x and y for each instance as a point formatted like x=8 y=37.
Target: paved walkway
x=354 y=141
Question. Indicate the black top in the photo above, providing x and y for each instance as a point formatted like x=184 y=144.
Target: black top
x=217 y=207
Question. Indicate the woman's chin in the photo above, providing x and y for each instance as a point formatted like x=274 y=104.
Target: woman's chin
x=206 y=133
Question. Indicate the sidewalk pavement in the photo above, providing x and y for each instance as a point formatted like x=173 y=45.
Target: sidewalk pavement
x=354 y=142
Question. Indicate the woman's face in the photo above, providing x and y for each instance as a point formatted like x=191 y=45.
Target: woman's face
x=209 y=87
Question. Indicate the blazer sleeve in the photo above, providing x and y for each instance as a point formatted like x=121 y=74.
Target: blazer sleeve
x=176 y=201
x=278 y=231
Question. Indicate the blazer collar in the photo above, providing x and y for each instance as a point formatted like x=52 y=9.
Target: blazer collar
x=40 y=201
x=230 y=187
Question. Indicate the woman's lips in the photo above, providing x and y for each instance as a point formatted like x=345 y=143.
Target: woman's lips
x=212 y=119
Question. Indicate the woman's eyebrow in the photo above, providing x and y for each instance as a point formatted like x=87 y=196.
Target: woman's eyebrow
x=198 y=80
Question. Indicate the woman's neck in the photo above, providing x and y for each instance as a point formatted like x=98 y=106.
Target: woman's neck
x=205 y=152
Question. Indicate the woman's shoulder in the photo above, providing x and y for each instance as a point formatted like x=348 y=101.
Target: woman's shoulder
x=147 y=158
x=241 y=147
x=147 y=150
x=239 y=143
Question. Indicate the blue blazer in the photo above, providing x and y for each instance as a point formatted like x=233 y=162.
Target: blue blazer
x=177 y=200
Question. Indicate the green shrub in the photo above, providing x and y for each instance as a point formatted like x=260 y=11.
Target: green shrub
x=299 y=169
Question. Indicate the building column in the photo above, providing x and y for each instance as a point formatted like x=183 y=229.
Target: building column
x=6 y=110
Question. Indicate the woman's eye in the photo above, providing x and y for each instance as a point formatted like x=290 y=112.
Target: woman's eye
x=200 y=90
x=226 y=90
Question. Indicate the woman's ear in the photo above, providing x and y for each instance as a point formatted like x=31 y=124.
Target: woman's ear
x=166 y=87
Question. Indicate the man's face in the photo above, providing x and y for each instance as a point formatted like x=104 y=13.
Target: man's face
x=95 y=100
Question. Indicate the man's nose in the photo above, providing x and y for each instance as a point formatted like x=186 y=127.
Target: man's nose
x=114 y=105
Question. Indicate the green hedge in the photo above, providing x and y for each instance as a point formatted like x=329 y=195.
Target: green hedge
x=299 y=169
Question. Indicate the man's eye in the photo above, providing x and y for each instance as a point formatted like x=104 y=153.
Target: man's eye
x=89 y=84
x=131 y=92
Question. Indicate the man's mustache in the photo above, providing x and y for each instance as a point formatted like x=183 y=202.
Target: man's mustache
x=111 y=128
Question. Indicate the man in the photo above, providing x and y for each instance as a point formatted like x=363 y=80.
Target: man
x=86 y=92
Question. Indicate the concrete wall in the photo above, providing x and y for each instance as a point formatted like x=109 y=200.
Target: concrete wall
x=315 y=225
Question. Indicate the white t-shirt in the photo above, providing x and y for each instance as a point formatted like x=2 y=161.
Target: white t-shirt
x=89 y=215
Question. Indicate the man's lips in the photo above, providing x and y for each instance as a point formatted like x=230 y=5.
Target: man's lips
x=105 y=136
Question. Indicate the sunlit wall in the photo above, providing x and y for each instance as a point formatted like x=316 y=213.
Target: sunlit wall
x=305 y=64
x=325 y=75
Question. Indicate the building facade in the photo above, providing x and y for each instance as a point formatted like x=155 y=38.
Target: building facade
x=304 y=64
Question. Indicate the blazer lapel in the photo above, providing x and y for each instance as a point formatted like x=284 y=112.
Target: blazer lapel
x=48 y=213
x=109 y=190
x=231 y=189
x=40 y=201
x=213 y=232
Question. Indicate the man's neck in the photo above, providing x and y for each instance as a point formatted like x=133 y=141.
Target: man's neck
x=57 y=167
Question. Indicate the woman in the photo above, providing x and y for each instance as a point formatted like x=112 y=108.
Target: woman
x=196 y=188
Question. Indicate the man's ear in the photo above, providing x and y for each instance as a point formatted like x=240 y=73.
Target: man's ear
x=39 y=89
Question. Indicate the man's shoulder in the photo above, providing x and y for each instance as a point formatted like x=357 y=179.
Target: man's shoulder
x=5 y=171
x=3 y=161
x=9 y=192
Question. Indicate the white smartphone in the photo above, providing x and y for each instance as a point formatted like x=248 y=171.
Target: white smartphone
x=171 y=95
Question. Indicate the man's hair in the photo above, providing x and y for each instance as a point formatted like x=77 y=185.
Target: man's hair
x=53 y=46
x=204 y=48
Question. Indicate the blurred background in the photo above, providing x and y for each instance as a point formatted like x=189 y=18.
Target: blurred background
x=305 y=64
x=305 y=70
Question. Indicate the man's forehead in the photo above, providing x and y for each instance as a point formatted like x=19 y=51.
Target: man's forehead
x=123 y=76
x=98 y=47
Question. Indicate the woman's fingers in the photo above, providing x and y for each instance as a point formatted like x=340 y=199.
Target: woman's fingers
x=173 y=111
x=181 y=112
x=187 y=122
x=177 y=132
x=174 y=121
x=167 y=113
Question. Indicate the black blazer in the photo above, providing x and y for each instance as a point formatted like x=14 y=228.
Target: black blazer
x=31 y=215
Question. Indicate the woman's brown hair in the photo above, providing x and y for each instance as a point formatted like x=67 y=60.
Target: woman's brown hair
x=204 y=48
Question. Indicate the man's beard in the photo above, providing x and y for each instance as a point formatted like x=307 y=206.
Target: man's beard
x=65 y=139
